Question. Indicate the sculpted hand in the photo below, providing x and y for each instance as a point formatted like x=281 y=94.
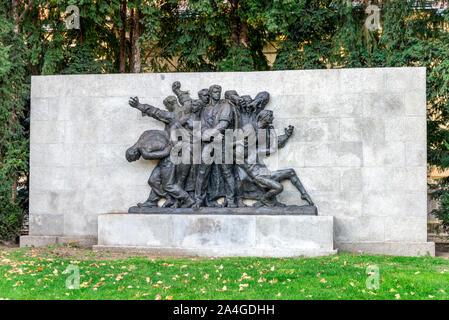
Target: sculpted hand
x=289 y=130
x=134 y=102
x=242 y=103
x=211 y=133
x=206 y=136
x=252 y=106
x=176 y=86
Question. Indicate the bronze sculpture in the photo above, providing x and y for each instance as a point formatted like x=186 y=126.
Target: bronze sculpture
x=229 y=165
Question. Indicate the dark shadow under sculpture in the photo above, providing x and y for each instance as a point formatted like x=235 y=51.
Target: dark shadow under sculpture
x=211 y=149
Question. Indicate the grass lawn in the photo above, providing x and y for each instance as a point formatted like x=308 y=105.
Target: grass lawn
x=41 y=274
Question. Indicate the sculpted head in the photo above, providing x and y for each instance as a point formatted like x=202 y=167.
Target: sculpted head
x=215 y=92
x=265 y=119
x=197 y=105
x=170 y=103
x=261 y=100
x=132 y=154
x=204 y=96
x=245 y=102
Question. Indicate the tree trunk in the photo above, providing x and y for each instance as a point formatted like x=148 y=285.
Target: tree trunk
x=243 y=35
x=14 y=192
x=131 y=40
x=239 y=32
x=136 y=48
x=122 y=68
x=235 y=21
x=15 y=14
x=16 y=17
x=15 y=4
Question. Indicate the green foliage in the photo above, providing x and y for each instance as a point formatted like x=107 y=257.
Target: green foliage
x=443 y=211
x=238 y=59
x=13 y=139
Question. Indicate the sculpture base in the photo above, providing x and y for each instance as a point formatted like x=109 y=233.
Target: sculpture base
x=288 y=210
x=217 y=235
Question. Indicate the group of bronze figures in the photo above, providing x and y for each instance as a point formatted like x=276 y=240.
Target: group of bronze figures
x=201 y=184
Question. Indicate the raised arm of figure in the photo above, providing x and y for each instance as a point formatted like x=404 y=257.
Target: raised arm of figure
x=183 y=96
x=151 y=111
x=282 y=139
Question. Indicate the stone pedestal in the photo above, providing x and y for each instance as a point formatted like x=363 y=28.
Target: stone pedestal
x=217 y=235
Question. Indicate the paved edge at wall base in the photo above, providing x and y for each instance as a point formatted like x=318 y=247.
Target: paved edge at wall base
x=215 y=252
x=414 y=249
x=393 y=248
x=42 y=241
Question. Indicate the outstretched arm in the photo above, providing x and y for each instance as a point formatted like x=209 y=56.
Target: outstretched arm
x=149 y=110
x=282 y=139
x=135 y=103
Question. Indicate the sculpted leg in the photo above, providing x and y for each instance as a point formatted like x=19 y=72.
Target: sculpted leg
x=201 y=182
x=182 y=172
x=227 y=171
x=239 y=186
x=171 y=187
x=291 y=175
x=274 y=188
x=156 y=192
x=151 y=202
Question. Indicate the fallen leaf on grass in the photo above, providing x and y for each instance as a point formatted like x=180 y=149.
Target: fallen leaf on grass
x=242 y=286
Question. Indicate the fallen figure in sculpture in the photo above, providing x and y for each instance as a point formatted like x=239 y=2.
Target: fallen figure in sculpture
x=267 y=180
